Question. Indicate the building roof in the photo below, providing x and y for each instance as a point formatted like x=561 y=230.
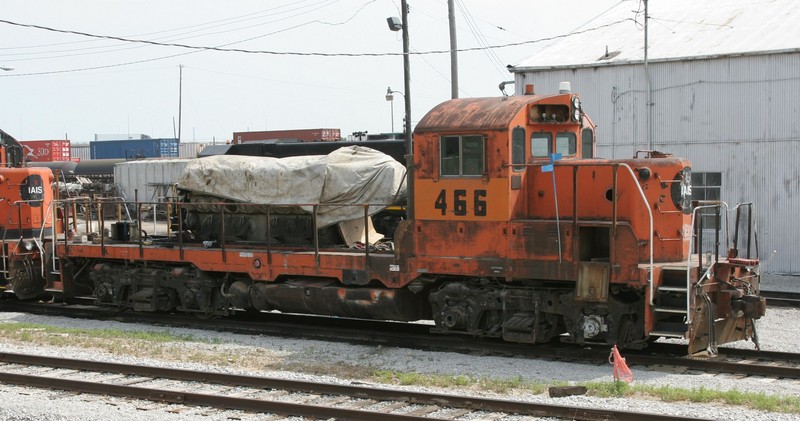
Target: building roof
x=677 y=29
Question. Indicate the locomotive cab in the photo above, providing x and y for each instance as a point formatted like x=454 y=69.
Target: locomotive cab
x=533 y=239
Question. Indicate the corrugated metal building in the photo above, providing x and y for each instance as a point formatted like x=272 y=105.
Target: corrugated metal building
x=724 y=84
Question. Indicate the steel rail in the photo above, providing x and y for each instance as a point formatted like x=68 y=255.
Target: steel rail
x=218 y=401
x=416 y=336
x=782 y=298
x=200 y=399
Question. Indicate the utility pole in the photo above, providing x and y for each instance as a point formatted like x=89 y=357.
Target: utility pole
x=451 y=17
x=407 y=98
x=395 y=26
x=180 y=99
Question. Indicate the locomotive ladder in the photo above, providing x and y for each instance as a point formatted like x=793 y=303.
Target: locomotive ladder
x=671 y=303
x=673 y=300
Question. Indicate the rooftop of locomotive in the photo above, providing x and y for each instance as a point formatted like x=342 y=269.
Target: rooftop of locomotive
x=492 y=113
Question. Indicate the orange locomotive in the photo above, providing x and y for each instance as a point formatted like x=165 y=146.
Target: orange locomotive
x=25 y=220
x=506 y=240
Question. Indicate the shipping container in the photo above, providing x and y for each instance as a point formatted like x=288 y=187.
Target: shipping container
x=80 y=152
x=152 y=179
x=299 y=134
x=46 y=150
x=134 y=148
x=190 y=149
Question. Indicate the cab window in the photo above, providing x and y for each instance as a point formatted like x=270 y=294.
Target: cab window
x=462 y=155
x=518 y=157
x=587 y=143
x=541 y=145
x=566 y=143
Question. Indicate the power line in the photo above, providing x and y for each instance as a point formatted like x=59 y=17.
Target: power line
x=207 y=25
x=478 y=35
x=329 y=2
x=298 y=53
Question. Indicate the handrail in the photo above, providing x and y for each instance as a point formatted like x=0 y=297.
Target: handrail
x=4 y=257
x=650 y=215
x=713 y=203
x=18 y=204
x=222 y=206
x=716 y=204
x=752 y=233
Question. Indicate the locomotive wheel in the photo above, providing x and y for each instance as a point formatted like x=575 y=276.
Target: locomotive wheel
x=26 y=282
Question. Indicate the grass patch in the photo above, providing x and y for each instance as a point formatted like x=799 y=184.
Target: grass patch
x=28 y=331
x=459 y=381
x=751 y=400
x=760 y=401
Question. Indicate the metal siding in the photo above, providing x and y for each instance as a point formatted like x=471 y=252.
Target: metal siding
x=80 y=152
x=149 y=177
x=736 y=115
x=190 y=149
x=760 y=172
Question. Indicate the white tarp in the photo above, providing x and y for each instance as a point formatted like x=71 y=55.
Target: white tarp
x=346 y=176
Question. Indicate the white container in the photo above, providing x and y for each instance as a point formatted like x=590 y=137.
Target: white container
x=153 y=178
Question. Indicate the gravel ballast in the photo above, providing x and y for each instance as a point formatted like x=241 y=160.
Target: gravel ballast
x=778 y=331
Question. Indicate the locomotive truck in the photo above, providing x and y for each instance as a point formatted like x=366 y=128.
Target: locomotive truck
x=517 y=231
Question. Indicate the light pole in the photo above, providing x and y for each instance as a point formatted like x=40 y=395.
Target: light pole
x=390 y=97
x=6 y=68
x=180 y=99
x=394 y=25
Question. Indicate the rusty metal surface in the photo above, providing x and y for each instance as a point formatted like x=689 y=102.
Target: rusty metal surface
x=592 y=285
x=467 y=114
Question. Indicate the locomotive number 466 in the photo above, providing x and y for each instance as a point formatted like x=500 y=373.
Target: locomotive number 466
x=460 y=202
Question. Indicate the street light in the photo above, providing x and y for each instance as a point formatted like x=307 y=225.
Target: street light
x=394 y=25
x=6 y=68
x=390 y=98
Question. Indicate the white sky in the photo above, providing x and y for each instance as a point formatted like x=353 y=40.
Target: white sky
x=224 y=92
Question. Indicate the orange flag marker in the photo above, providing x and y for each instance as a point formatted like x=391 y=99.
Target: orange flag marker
x=621 y=370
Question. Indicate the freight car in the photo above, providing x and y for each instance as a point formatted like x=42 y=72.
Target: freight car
x=517 y=232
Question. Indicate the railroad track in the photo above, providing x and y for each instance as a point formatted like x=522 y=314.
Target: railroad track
x=277 y=396
x=782 y=298
x=660 y=356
